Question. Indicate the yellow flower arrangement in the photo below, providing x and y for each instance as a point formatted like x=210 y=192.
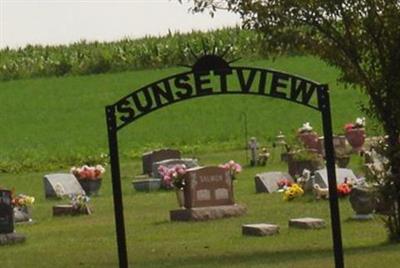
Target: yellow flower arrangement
x=292 y=192
x=23 y=200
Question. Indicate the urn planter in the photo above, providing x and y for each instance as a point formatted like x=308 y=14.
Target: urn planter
x=342 y=161
x=356 y=138
x=362 y=201
x=310 y=140
x=91 y=187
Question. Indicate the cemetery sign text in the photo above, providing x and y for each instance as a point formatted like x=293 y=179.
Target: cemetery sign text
x=224 y=79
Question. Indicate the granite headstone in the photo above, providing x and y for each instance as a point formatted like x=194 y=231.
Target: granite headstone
x=6 y=212
x=321 y=177
x=61 y=184
x=154 y=156
x=268 y=182
x=208 y=186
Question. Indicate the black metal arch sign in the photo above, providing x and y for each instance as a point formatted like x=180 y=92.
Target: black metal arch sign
x=212 y=75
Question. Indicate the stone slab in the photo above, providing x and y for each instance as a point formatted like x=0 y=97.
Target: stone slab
x=359 y=217
x=260 y=229
x=67 y=209
x=146 y=185
x=307 y=223
x=11 y=238
x=64 y=183
x=207 y=213
x=267 y=182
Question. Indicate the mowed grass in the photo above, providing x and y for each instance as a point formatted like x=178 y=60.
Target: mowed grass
x=154 y=241
x=59 y=119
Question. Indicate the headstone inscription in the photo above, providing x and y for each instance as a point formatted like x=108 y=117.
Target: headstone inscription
x=6 y=212
x=208 y=186
x=61 y=184
x=267 y=182
x=154 y=156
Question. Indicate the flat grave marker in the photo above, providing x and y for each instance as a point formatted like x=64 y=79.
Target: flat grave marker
x=62 y=184
x=267 y=182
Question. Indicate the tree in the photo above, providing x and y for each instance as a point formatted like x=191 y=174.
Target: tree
x=359 y=37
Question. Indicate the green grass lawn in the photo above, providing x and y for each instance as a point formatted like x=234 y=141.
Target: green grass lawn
x=154 y=241
x=48 y=123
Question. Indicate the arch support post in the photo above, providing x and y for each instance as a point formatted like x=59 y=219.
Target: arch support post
x=324 y=104
x=116 y=186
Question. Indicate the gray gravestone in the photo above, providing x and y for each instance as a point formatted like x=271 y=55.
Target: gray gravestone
x=6 y=212
x=321 y=177
x=62 y=183
x=154 y=156
x=268 y=182
x=188 y=162
x=307 y=223
x=260 y=229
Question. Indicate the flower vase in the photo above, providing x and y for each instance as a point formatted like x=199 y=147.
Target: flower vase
x=91 y=187
x=309 y=139
x=342 y=161
x=180 y=197
x=356 y=138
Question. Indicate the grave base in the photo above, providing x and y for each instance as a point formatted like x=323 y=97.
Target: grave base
x=362 y=217
x=29 y=222
x=11 y=238
x=207 y=213
x=60 y=210
x=147 y=185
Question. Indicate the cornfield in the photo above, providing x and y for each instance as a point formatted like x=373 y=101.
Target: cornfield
x=84 y=57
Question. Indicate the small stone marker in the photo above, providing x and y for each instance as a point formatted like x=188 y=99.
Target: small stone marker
x=188 y=162
x=268 y=182
x=62 y=183
x=155 y=156
x=67 y=209
x=260 y=229
x=307 y=223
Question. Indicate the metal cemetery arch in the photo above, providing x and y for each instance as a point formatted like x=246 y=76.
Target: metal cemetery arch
x=197 y=83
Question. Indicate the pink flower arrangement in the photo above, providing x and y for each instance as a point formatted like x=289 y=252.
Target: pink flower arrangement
x=284 y=183
x=360 y=123
x=87 y=172
x=233 y=167
x=173 y=176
